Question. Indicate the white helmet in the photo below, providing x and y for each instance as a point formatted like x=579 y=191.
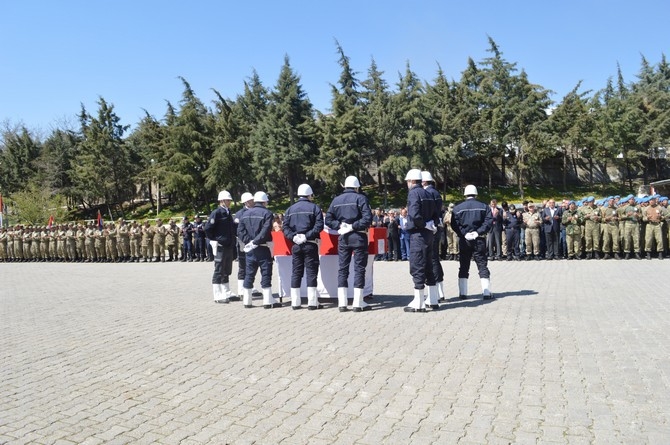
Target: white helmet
x=426 y=177
x=260 y=197
x=351 y=182
x=304 y=190
x=224 y=195
x=413 y=175
x=246 y=196
x=470 y=190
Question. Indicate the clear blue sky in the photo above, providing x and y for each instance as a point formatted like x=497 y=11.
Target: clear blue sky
x=59 y=54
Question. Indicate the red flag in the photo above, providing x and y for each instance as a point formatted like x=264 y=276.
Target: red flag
x=99 y=221
x=51 y=222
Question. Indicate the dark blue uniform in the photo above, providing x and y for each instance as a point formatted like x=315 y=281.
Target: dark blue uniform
x=438 y=272
x=187 y=247
x=220 y=227
x=304 y=217
x=256 y=225
x=512 y=223
x=420 y=210
x=199 y=248
x=241 y=255
x=472 y=216
x=352 y=208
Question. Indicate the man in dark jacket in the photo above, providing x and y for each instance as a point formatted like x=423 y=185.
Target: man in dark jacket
x=351 y=216
x=254 y=230
x=472 y=220
x=221 y=232
x=303 y=223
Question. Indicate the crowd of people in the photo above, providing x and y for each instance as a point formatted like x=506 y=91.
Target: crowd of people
x=123 y=241
x=612 y=227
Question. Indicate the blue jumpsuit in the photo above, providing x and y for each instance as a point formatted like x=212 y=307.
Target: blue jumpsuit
x=472 y=216
x=304 y=217
x=256 y=225
x=220 y=227
x=438 y=272
x=241 y=255
x=353 y=208
x=420 y=210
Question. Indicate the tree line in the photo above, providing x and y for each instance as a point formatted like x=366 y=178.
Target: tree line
x=491 y=120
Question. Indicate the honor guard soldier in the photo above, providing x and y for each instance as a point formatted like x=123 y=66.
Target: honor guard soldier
x=254 y=230
x=472 y=220
x=303 y=222
x=428 y=184
x=159 y=241
x=421 y=226
x=247 y=200
x=220 y=230
x=350 y=215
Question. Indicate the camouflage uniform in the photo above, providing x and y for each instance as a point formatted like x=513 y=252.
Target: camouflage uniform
x=532 y=222
x=572 y=221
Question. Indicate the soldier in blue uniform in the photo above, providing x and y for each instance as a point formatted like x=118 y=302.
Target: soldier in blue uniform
x=254 y=230
x=199 y=245
x=472 y=220
x=303 y=222
x=421 y=226
x=436 y=289
x=351 y=216
x=247 y=200
x=221 y=232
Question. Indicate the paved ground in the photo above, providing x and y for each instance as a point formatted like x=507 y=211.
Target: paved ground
x=571 y=352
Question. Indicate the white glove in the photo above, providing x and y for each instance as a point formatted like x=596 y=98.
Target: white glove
x=299 y=239
x=345 y=228
x=215 y=245
x=471 y=236
x=249 y=247
x=430 y=225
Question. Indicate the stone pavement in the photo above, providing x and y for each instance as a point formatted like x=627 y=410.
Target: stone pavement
x=571 y=352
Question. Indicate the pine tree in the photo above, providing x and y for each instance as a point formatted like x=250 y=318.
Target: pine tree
x=344 y=150
x=284 y=141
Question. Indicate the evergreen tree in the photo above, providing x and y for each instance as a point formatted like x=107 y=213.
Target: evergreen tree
x=103 y=168
x=412 y=142
x=380 y=119
x=231 y=166
x=149 y=143
x=19 y=151
x=442 y=113
x=284 y=141
x=344 y=150
x=188 y=151
x=55 y=162
x=571 y=127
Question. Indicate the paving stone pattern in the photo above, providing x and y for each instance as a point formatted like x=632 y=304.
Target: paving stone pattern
x=569 y=353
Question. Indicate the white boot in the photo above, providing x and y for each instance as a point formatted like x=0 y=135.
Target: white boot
x=418 y=304
x=432 y=297
x=359 y=304
x=268 y=300
x=440 y=291
x=227 y=294
x=312 y=299
x=342 y=299
x=219 y=296
x=240 y=288
x=247 y=298
x=486 y=291
x=462 y=288
x=295 y=297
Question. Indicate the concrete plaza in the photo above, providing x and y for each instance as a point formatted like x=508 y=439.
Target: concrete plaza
x=569 y=353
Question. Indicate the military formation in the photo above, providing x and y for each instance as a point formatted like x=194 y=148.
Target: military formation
x=120 y=242
x=609 y=228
